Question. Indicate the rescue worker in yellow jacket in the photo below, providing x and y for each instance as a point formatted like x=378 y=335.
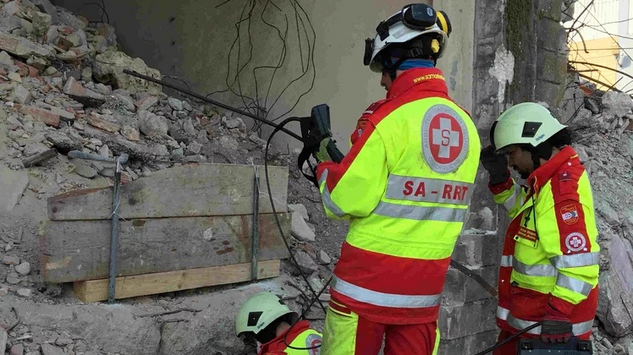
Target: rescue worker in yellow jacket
x=405 y=186
x=549 y=268
x=267 y=320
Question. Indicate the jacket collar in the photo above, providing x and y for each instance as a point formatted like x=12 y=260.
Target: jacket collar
x=540 y=176
x=278 y=343
x=431 y=79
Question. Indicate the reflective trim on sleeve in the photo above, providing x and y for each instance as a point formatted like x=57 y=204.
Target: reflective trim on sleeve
x=429 y=190
x=506 y=261
x=502 y=313
x=420 y=213
x=512 y=200
x=576 y=260
x=327 y=199
x=534 y=270
x=362 y=294
x=574 y=285
x=577 y=328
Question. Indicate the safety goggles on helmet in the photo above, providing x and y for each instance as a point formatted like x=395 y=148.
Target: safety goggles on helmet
x=413 y=21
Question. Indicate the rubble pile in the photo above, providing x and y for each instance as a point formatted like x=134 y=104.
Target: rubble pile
x=62 y=88
x=603 y=126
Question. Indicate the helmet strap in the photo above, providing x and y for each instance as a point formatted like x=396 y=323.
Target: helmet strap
x=543 y=150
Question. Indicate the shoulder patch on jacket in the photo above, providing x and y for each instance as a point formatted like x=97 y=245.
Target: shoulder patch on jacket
x=364 y=118
x=569 y=214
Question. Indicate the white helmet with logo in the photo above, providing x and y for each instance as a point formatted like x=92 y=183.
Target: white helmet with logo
x=524 y=123
x=401 y=29
x=260 y=311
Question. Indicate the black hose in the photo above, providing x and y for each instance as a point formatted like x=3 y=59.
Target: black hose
x=212 y=102
x=514 y=336
x=314 y=293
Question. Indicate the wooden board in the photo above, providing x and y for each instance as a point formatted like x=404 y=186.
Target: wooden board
x=80 y=250
x=184 y=191
x=151 y=284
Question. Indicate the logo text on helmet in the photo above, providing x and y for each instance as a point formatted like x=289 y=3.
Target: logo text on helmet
x=444 y=139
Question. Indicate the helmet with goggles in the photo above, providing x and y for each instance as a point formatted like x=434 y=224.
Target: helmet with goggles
x=416 y=32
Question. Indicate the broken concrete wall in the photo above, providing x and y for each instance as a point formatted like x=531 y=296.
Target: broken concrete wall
x=192 y=41
x=537 y=41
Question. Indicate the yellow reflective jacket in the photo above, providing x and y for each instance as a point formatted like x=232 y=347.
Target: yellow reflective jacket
x=550 y=254
x=405 y=185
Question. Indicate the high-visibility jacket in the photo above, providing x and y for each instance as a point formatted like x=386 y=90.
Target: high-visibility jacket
x=550 y=253
x=405 y=186
x=302 y=340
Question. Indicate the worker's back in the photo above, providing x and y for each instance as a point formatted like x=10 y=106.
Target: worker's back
x=393 y=264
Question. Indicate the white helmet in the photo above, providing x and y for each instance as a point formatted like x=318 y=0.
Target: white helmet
x=524 y=123
x=412 y=22
x=259 y=311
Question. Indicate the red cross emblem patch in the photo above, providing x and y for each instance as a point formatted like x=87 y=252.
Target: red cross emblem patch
x=444 y=139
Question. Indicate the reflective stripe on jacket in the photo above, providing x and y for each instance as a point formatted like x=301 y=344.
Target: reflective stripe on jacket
x=405 y=185
x=550 y=254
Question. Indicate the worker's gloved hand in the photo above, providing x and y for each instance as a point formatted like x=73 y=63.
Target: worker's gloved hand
x=556 y=327
x=495 y=164
x=321 y=154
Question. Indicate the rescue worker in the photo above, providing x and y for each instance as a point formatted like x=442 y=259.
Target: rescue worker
x=549 y=268
x=405 y=186
x=265 y=318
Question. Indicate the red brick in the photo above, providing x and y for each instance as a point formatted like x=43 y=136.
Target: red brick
x=40 y=114
x=66 y=30
x=96 y=120
x=26 y=70
x=87 y=97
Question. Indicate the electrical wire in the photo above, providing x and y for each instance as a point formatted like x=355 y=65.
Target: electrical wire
x=283 y=237
x=277 y=129
x=104 y=13
x=264 y=101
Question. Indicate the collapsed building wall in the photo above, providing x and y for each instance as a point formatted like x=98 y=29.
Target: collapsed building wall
x=506 y=70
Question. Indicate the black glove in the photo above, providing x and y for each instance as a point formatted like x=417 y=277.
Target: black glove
x=556 y=331
x=495 y=164
x=556 y=326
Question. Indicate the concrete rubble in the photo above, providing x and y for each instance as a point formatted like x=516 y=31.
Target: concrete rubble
x=604 y=141
x=62 y=88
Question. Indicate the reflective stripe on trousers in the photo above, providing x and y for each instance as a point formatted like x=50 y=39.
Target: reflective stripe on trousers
x=381 y=299
x=517 y=323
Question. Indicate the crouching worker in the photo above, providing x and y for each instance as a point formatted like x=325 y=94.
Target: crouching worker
x=266 y=319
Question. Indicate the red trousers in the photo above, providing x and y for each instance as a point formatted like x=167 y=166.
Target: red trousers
x=346 y=333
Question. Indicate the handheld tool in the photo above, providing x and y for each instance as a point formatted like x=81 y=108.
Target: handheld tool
x=574 y=346
x=314 y=129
